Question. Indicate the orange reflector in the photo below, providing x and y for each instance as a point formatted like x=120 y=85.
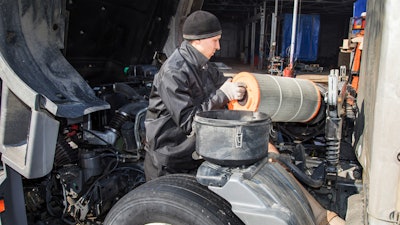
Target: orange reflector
x=2 y=206
x=354 y=83
x=252 y=98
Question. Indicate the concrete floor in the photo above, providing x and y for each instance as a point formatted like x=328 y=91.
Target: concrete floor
x=231 y=67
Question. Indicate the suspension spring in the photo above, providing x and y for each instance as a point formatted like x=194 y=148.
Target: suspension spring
x=332 y=152
x=333 y=133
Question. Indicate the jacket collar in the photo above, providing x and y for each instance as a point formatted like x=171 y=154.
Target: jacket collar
x=192 y=55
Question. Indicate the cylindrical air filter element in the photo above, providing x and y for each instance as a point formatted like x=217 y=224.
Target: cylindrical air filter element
x=284 y=99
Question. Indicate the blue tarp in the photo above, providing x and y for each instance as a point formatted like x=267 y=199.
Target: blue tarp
x=306 y=44
x=360 y=6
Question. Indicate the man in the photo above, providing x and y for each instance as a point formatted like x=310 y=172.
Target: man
x=186 y=84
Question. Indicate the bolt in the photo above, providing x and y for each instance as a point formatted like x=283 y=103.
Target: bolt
x=357 y=174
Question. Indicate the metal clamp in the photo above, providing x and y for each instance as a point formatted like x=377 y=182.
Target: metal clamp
x=239 y=137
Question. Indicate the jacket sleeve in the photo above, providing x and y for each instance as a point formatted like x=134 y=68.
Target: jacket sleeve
x=182 y=102
x=217 y=76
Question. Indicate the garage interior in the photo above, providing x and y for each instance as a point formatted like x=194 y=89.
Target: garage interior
x=102 y=41
x=261 y=29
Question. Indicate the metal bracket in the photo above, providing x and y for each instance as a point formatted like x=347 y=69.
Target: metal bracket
x=239 y=137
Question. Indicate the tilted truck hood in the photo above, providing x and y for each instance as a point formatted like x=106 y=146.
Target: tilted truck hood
x=52 y=52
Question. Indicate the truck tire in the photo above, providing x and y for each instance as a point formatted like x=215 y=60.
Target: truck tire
x=173 y=199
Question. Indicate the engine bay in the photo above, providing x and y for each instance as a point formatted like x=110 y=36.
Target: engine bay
x=99 y=159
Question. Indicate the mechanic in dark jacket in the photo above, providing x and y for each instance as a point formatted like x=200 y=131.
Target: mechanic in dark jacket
x=186 y=84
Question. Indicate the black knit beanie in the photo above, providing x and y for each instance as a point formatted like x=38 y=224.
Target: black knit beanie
x=201 y=25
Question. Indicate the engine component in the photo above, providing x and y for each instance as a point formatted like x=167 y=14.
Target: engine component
x=129 y=113
x=309 y=181
x=90 y=162
x=284 y=99
x=91 y=169
x=128 y=135
x=95 y=137
x=89 y=199
x=64 y=153
x=71 y=178
x=232 y=138
x=126 y=90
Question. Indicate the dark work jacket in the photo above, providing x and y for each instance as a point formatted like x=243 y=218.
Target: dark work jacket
x=186 y=84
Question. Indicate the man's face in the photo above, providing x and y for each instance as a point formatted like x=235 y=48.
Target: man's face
x=207 y=46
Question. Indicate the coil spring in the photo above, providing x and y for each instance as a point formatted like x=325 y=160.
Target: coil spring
x=332 y=153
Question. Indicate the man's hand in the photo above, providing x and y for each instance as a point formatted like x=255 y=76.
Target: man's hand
x=233 y=90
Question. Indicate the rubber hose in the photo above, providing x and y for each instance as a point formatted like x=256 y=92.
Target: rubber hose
x=126 y=90
x=126 y=113
x=300 y=174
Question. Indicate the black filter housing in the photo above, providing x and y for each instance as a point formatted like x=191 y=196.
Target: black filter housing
x=232 y=138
